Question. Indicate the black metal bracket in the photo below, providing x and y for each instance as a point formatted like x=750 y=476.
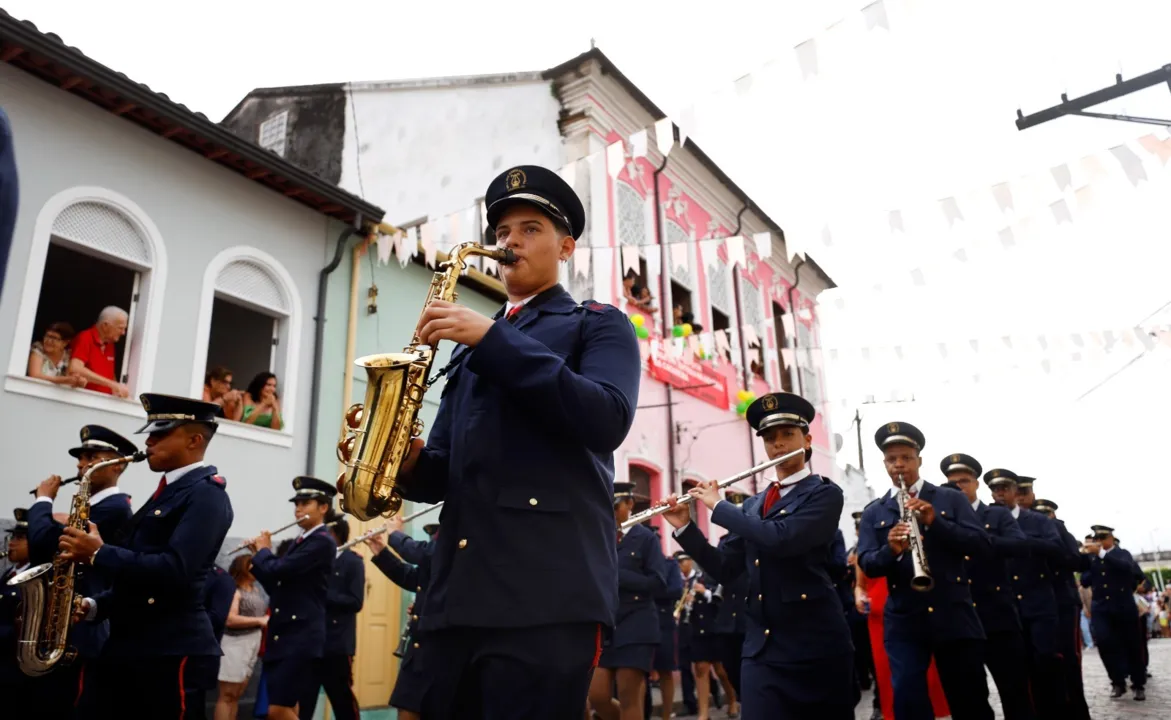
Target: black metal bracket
x=1079 y=105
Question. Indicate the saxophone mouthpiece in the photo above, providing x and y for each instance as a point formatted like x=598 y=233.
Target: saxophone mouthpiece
x=507 y=256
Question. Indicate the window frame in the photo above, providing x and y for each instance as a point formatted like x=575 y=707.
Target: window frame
x=288 y=375
x=143 y=378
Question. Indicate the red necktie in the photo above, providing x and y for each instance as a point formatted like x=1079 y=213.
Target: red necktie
x=159 y=489
x=512 y=313
x=619 y=536
x=770 y=497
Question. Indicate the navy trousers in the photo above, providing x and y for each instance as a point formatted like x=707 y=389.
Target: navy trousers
x=1120 y=646
x=1004 y=654
x=537 y=673
x=961 y=672
x=822 y=689
x=1046 y=674
x=1069 y=646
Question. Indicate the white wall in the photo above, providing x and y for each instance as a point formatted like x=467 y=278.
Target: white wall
x=199 y=210
x=431 y=152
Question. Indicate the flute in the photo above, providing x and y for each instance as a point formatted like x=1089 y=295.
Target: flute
x=282 y=528
x=385 y=528
x=645 y=515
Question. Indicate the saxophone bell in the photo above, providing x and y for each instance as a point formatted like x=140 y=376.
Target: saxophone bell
x=377 y=433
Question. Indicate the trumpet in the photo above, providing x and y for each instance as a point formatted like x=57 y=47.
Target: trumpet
x=281 y=529
x=385 y=528
x=922 y=580
x=685 y=599
x=639 y=518
x=73 y=479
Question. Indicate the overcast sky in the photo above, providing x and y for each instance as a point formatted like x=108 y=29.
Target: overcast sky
x=896 y=119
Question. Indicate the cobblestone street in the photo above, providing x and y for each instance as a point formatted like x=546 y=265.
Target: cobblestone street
x=1157 y=704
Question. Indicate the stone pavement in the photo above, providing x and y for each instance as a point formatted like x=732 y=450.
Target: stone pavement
x=1157 y=704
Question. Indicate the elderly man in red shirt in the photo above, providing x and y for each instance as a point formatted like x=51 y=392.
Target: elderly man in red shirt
x=93 y=352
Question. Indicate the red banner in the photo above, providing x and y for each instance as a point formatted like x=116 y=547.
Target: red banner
x=695 y=379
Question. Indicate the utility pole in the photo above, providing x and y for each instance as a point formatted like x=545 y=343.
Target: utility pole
x=858 y=427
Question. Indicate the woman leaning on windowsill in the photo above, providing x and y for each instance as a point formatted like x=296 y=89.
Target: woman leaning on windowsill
x=262 y=406
x=48 y=359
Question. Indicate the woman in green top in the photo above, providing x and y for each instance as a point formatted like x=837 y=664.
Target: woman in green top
x=261 y=405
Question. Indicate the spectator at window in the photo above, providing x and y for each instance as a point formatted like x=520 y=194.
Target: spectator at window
x=49 y=357
x=688 y=318
x=217 y=388
x=628 y=288
x=262 y=406
x=646 y=300
x=93 y=352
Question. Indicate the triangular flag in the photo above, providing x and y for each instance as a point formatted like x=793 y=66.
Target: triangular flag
x=615 y=158
x=644 y=349
x=787 y=358
x=679 y=256
x=629 y=259
x=385 y=248
x=664 y=135
x=750 y=335
x=788 y=325
x=1060 y=210
x=693 y=344
x=654 y=260
x=581 y=262
x=735 y=246
x=710 y=250
x=686 y=123
x=490 y=266
x=723 y=347
x=569 y=174
x=874 y=16
x=1159 y=148
x=764 y=244
x=1131 y=163
x=1062 y=176
x=638 y=142
x=807 y=58
x=428 y=241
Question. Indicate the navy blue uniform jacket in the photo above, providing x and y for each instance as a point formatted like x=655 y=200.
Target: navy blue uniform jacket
x=297 y=584
x=840 y=572
x=1071 y=564
x=343 y=602
x=408 y=548
x=946 y=611
x=1112 y=583
x=640 y=577
x=412 y=578
x=111 y=516
x=9 y=192
x=522 y=451
x=156 y=576
x=1033 y=576
x=991 y=584
x=793 y=611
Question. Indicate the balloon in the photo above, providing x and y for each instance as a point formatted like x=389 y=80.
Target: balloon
x=642 y=332
x=686 y=329
x=741 y=407
x=677 y=331
x=744 y=396
x=637 y=320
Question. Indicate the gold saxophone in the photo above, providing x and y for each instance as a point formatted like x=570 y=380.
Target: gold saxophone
x=46 y=593
x=380 y=429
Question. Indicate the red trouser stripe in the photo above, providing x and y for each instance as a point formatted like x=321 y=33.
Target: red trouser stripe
x=597 y=648
x=80 y=686
x=182 y=690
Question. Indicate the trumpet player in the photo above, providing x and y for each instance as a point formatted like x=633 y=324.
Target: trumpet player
x=343 y=601
x=992 y=591
x=1032 y=582
x=939 y=620
x=110 y=510
x=797 y=655
x=412 y=681
x=525 y=572
x=1069 y=607
x=297 y=583
x=156 y=573
x=626 y=660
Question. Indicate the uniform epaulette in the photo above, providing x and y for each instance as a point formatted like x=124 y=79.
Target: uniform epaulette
x=596 y=306
x=872 y=502
x=219 y=481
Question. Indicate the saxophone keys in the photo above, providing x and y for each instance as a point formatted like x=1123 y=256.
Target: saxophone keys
x=417 y=428
x=354 y=416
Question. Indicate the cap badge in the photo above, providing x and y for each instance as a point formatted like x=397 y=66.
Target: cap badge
x=85 y=433
x=146 y=404
x=297 y=484
x=515 y=179
x=769 y=402
x=955 y=458
x=892 y=428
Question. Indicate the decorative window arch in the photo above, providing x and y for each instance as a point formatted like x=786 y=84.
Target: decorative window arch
x=92 y=235
x=250 y=321
x=631 y=216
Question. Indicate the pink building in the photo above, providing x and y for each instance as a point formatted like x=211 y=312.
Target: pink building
x=686 y=425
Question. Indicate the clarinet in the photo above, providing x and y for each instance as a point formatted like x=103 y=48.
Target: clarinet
x=403 y=641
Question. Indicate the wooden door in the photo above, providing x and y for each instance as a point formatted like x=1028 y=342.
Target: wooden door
x=379 y=628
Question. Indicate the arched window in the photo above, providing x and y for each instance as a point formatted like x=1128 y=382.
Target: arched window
x=753 y=308
x=92 y=248
x=249 y=323
x=631 y=216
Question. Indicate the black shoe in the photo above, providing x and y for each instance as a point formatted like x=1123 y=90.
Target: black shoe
x=1118 y=691
x=1140 y=694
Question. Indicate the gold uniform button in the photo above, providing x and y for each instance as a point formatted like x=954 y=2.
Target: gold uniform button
x=760 y=597
x=463 y=543
x=881 y=524
x=944 y=513
x=635 y=597
x=986 y=526
x=418 y=588
x=1020 y=597
x=294 y=617
x=766 y=631
x=997 y=588
x=967 y=559
x=532 y=501
x=1014 y=577
x=1042 y=576
x=733 y=614
x=416 y=646
x=335 y=622
x=158 y=512
x=150 y=601
x=803 y=596
x=632 y=553
x=756 y=562
x=276 y=637
x=415 y=618
x=959 y=580
x=930 y=609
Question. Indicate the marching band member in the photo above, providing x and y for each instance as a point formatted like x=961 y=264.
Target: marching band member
x=857 y=611
x=691 y=578
x=297 y=584
x=524 y=576
x=627 y=658
x=730 y=626
x=407 y=547
x=941 y=622
x=1114 y=615
x=1032 y=579
x=666 y=660
x=1004 y=649
x=156 y=574
x=412 y=682
x=343 y=601
x=1069 y=608
x=797 y=656
x=14 y=684
x=63 y=688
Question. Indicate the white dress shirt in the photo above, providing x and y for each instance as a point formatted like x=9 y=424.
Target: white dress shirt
x=1016 y=512
x=508 y=306
x=976 y=505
